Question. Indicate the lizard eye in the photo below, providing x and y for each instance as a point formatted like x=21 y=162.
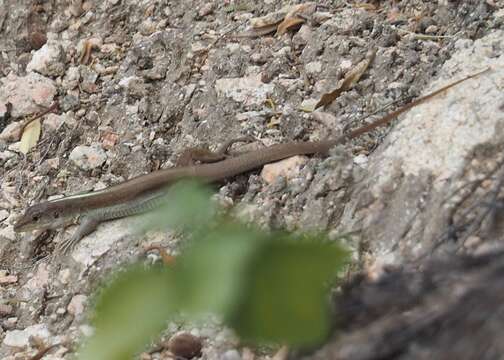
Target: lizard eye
x=56 y=215
x=35 y=218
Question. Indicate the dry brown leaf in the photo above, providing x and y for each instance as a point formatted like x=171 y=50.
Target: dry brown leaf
x=257 y=31
x=351 y=78
x=366 y=6
x=288 y=23
x=31 y=135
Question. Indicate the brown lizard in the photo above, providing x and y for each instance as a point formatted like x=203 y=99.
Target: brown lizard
x=143 y=193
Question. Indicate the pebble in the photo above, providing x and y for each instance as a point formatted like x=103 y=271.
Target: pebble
x=27 y=93
x=21 y=338
x=77 y=305
x=47 y=60
x=206 y=9
x=231 y=355
x=88 y=157
x=6 y=310
x=185 y=345
x=287 y=168
x=249 y=90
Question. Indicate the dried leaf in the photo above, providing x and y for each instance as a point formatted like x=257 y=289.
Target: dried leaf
x=351 y=78
x=257 y=31
x=288 y=23
x=366 y=6
x=31 y=135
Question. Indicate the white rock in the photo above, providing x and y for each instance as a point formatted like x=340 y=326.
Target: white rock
x=313 y=67
x=287 y=168
x=71 y=79
x=438 y=137
x=4 y=214
x=64 y=276
x=12 y=132
x=249 y=90
x=52 y=122
x=21 y=338
x=77 y=305
x=39 y=280
x=47 y=60
x=361 y=160
x=206 y=9
x=26 y=94
x=6 y=155
x=231 y=355
x=88 y=157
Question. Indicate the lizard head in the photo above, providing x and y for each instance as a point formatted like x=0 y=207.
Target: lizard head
x=43 y=216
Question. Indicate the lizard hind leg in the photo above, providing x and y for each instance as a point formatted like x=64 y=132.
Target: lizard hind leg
x=87 y=225
x=203 y=155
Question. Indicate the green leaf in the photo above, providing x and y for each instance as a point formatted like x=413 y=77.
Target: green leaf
x=286 y=298
x=186 y=205
x=215 y=266
x=130 y=313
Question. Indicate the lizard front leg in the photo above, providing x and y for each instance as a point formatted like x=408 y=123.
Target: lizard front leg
x=87 y=225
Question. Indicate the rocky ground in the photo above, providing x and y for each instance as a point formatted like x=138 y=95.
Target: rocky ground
x=136 y=83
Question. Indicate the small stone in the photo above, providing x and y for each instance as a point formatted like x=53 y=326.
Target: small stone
x=313 y=68
x=147 y=27
x=75 y=8
x=287 y=168
x=64 y=276
x=27 y=94
x=53 y=122
x=77 y=305
x=109 y=140
x=320 y=17
x=6 y=155
x=360 y=160
x=431 y=29
x=206 y=9
x=89 y=77
x=303 y=36
x=258 y=58
x=329 y=120
x=248 y=90
x=8 y=279
x=4 y=214
x=72 y=78
x=53 y=163
x=308 y=105
x=47 y=60
x=185 y=345
x=88 y=157
x=6 y=310
x=61 y=311
x=10 y=323
x=37 y=40
x=21 y=338
x=231 y=355
x=12 y=132
x=39 y=280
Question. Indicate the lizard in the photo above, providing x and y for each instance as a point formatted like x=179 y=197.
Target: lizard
x=144 y=193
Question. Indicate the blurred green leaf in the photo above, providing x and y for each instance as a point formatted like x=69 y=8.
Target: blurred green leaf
x=269 y=287
x=186 y=205
x=130 y=313
x=286 y=297
x=215 y=266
